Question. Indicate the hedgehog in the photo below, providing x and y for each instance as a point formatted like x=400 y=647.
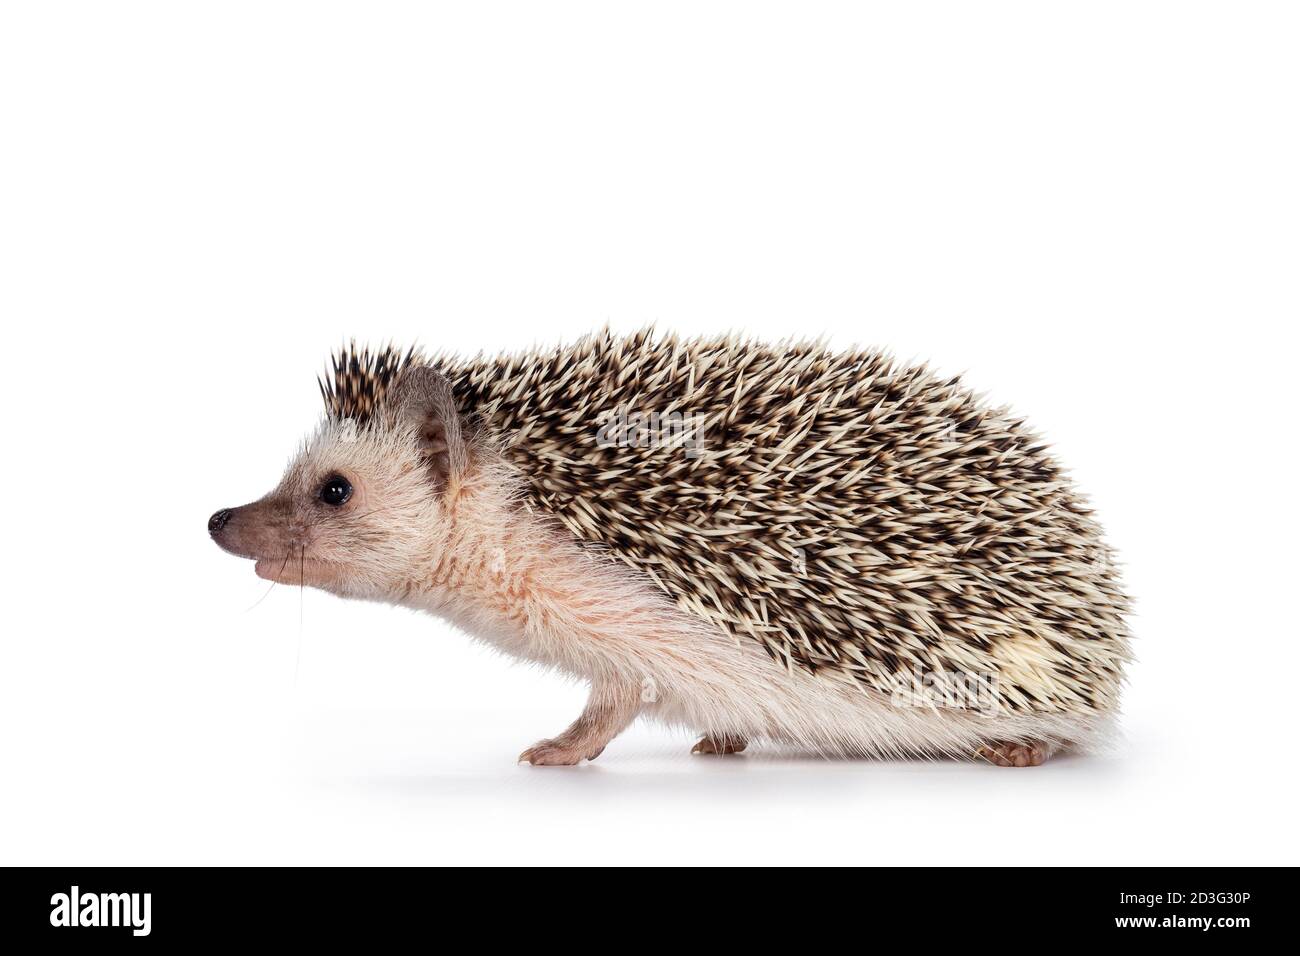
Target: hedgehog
x=818 y=549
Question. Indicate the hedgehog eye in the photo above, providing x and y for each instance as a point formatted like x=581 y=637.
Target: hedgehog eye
x=336 y=490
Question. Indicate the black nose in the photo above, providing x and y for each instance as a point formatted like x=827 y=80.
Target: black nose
x=218 y=520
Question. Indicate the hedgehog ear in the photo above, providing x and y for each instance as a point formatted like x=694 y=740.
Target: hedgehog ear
x=426 y=400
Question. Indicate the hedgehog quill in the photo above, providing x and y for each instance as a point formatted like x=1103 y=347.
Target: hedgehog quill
x=785 y=543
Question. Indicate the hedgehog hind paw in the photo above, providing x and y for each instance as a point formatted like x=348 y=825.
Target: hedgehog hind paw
x=1011 y=754
x=720 y=744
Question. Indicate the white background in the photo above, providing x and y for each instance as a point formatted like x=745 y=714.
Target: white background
x=1090 y=209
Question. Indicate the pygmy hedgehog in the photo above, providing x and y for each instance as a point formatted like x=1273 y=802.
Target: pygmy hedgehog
x=818 y=548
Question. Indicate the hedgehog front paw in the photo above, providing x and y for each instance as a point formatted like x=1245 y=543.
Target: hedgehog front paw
x=720 y=744
x=1014 y=755
x=558 y=753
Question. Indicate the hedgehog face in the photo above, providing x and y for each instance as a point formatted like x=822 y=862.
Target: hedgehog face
x=362 y=508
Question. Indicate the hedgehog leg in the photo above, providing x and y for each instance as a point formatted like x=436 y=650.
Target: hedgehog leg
x=1007 y=754
x=720 y=744
x=610 y=708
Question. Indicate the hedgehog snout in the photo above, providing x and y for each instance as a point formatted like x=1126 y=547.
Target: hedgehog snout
x=223 y=531
x=266 y=528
